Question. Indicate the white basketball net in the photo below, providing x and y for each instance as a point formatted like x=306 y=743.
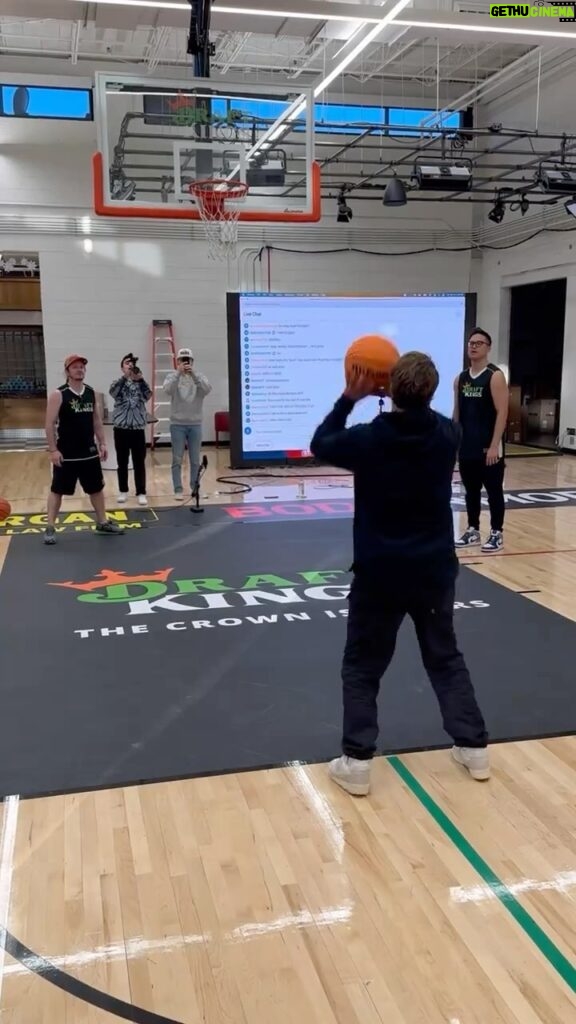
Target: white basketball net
x=218 y=203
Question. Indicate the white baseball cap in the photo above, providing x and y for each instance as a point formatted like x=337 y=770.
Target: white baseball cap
x=184 y=353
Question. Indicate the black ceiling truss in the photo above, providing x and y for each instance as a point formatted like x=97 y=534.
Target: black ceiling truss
x=199 y=45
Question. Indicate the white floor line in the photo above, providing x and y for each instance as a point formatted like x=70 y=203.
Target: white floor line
x=7 y=845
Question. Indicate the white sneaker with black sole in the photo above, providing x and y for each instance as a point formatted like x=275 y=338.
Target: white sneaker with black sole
x=475 y=760
x=351 y=774
x=494 y=542
x=470 y=538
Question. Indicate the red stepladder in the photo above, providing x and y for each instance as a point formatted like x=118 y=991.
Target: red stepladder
x=163 y=361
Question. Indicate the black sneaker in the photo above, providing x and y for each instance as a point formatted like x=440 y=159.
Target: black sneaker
x=49 y=535
x=109 y=528
x=470 y=538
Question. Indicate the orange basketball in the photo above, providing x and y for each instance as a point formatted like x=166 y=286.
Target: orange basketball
x=373 y=355
x=5 y=509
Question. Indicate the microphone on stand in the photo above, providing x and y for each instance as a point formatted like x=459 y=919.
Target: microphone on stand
x=196 y=489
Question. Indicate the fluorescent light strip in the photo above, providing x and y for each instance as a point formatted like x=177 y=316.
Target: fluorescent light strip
x=168 y=5
x=310 y=15
x=293 y=112
x=178 y=5
x=183 y=5
x=372 y=35
x=497 y=30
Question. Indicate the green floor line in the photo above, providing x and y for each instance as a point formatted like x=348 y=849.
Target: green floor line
x=554 y=956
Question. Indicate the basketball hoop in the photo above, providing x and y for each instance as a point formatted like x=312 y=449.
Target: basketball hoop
x=220 y=220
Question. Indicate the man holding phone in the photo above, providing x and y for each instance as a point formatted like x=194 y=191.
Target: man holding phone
x=130 y=393
x=187 y=390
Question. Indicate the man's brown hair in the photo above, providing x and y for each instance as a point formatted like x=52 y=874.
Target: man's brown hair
x=413 y=381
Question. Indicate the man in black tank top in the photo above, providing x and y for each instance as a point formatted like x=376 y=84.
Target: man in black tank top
x=481 y=408
x=75 y=438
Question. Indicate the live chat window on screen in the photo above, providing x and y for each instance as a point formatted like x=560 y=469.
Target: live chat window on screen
x=293 y=347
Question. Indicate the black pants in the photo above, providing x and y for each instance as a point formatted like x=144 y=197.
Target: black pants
x=373 y=624
x=475 y=474
x=131 y=443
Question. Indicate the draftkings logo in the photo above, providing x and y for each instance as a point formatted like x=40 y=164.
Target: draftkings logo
x=540 y=9
x=209 y=603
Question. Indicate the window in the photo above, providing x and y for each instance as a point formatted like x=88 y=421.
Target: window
x=347 y=119
x=412 y=117
x=36 y=101
x=247 y=113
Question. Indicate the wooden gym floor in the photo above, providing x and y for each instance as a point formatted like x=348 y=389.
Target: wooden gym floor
x=274 y=896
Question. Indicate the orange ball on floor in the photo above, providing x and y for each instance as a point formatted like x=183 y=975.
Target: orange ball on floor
x=372 y=355
x=5 y=509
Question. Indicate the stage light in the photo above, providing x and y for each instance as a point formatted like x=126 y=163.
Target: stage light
x=395 y=194
x=496 y=215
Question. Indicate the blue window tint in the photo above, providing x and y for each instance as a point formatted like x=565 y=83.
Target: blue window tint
x=262 y=112
x=38 y=101
x=412 y=117
x=344 y=119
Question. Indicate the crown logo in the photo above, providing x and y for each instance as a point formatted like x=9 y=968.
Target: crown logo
x=109 y=577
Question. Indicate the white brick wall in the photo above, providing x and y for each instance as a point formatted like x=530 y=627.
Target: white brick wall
x=101 y=304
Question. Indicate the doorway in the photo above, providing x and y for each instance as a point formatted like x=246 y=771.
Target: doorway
x=537 y=316
x=22 y=357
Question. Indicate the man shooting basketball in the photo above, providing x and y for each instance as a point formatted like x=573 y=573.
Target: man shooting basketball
x=73 y=426
x=404 y=562
x=481 y=409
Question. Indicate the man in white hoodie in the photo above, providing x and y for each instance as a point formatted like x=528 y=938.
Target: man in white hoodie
x=187 y=390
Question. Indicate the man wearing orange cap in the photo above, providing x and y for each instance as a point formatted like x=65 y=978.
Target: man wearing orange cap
x=76 y=444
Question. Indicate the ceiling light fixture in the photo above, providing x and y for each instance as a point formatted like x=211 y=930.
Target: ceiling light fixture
x=168 y=5
x=395 y=193
x=184 y=5
x=357 y=50
x=321 y=15
x=299 y=105
x=499 y=30
x=496 y=215
x=344 y=212
x=268 y=13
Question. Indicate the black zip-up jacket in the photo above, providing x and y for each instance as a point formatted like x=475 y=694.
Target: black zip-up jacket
x=403 y=464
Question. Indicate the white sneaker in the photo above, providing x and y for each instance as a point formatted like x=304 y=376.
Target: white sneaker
x=142 y=499
x=469 y=539
x=475 y=760
x=494 y=542
x=179 y=496
x=121 y=499
x=351 y=774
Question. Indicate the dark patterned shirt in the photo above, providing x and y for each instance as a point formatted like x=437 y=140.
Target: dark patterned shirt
x=130 y=397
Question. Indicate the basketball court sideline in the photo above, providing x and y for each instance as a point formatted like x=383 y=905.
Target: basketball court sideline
x=199 y=897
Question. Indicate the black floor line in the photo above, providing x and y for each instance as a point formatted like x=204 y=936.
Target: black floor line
x=273 y=766
x=79 y=989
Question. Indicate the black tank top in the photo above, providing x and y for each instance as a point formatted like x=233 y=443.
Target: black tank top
x=477 y=412
x=76 y=424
